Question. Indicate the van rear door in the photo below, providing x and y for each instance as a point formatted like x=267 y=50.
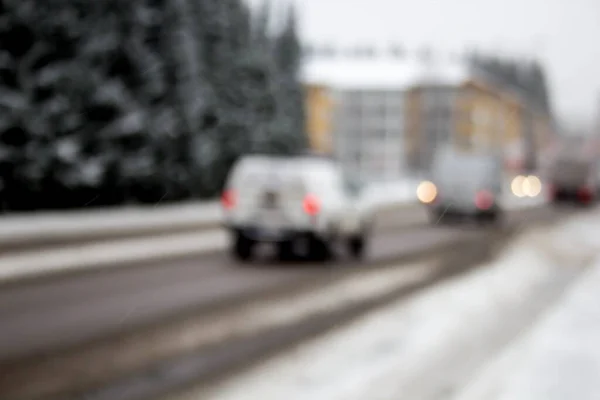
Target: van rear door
x=269 y=194
x=461 y=177
x=454 y=181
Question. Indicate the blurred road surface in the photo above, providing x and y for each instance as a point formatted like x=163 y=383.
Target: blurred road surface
x=61 y=312
x=430 y=345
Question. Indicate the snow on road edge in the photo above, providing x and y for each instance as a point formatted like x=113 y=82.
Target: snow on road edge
x=559 y=359
x=397 y=349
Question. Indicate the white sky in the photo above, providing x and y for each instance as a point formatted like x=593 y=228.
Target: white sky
x=564 y=34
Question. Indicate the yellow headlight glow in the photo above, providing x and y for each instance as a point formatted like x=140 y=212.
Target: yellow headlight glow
x=532 y=186
x=517 y=186
x=526 y=186
x=426 y=192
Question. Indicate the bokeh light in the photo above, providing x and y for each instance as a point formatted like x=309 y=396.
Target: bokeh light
x=526 y=186
x=517 y=186
x=532 y=186
x=426 y=192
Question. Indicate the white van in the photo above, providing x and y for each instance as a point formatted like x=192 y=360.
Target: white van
x=294 y=203
x=466 y=184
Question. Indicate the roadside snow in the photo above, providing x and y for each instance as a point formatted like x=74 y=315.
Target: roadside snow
x=558 y=360
x=382 y=194
x=427 y=347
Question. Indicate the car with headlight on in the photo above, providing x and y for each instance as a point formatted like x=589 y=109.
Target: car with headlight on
x=297 y=204
x=464 y=185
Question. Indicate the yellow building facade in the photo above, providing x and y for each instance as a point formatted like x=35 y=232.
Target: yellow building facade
x=319 y=113
x=479 y=116
x=486 y=116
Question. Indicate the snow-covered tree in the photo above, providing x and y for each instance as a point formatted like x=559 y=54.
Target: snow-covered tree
x=239 y=70
x=291 y=135
x=138 y=100
x=48 y=127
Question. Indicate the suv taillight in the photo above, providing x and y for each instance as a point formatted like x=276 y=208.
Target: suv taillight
x=311 y=205
x=228 y=199
x=585 y=194
x=551 y=190
x=484 y=200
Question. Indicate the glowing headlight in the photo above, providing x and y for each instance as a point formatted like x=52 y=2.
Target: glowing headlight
x=532 y=186
x=517 y=186
x=526 y=186
x=426 y=192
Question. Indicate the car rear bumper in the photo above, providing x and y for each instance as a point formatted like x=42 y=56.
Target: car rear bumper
x=449 y=208
x=263 y=234
x=573 y=195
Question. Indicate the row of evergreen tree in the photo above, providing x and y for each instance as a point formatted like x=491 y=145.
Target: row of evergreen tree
x=116 y=101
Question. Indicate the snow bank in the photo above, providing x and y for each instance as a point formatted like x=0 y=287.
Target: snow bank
x=432 y=343
x=559 y=359
x=382 y=194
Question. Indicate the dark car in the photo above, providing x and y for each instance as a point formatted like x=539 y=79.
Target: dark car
x=574 y=180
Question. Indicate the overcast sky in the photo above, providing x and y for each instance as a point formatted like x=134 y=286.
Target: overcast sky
x=564 y=34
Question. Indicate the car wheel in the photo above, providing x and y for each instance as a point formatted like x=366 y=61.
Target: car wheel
x=243 y=247
x=285 y=250
x=499 y=218
x=485 y=218
x=318 y=249
x=357 y=246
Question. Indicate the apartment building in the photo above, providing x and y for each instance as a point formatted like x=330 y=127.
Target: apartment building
x=461 y=109
x=319 y=114
x=383 y=119
x=356 y=113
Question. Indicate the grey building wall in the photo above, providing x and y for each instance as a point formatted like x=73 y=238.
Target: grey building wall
x=368 y=132
x=438 y=122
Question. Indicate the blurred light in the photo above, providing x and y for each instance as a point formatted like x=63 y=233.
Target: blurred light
x=585 y=194
x=426 y=192
x=484 y=200
x=311 y=205
x=532 y=186
x=228 y=199
x=517 y=186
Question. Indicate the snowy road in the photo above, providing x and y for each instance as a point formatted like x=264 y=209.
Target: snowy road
x=431 y=346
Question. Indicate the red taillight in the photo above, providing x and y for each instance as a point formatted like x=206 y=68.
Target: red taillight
x=484 y=200
x=551 y=191
x=585 y=194
x=311 y=205
x=228 y=199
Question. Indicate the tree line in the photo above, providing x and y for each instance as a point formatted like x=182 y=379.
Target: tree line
x=111 y=102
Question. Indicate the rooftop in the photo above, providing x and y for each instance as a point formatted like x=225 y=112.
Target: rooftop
x=383 y=72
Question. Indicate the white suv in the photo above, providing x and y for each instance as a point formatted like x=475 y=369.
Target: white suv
x=294 y=203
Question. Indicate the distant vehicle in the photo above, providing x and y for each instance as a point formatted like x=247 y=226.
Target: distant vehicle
x=573 y=178
x=297 y=204
x=463 y=185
